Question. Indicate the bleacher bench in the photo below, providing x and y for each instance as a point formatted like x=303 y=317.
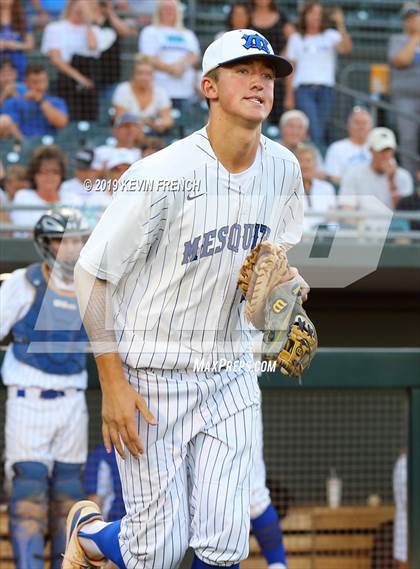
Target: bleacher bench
x=323 y=538
x=315 y=538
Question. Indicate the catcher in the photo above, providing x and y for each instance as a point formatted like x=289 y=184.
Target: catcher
x=274 y=293
x=44 y=368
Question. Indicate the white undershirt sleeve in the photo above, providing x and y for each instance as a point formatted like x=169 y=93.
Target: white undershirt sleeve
x=16 y=296
x=94 y=300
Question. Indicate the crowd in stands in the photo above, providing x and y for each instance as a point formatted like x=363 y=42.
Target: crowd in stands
x=79 y=77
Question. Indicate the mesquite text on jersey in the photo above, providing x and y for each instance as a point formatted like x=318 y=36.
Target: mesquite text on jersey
x=234 y=237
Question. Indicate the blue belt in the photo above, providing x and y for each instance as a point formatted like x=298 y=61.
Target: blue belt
x=46 y=393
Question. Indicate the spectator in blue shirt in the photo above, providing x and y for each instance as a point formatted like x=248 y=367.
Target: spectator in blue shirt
x=36 y=113
x=15 y=36
x=102 y=483
x=9 y=85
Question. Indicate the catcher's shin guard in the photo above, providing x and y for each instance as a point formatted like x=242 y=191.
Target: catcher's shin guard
x=28 y=514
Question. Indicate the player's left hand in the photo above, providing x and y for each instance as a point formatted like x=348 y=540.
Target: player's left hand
x=120 y=404
x=274 y=294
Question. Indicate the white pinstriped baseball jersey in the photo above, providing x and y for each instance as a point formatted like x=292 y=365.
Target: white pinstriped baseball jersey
x=172 y=243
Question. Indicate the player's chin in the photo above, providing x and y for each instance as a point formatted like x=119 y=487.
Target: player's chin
x=255 y=115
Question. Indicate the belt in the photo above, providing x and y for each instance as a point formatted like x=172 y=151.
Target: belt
x=45 y=393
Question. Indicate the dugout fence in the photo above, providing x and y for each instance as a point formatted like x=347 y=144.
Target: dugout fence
x=355 y=410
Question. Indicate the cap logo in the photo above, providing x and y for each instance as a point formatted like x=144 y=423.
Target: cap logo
x=255 y=41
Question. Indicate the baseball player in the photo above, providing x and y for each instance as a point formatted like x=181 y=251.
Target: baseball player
x=46 y=415
x=180 y=393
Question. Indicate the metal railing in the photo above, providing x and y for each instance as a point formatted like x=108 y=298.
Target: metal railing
x=357 y=220
x=372 y=101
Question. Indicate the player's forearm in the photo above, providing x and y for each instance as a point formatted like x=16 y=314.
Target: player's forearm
x=96 y=311
x=110 y=372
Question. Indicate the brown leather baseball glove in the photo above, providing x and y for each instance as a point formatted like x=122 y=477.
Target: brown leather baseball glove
x=273 y=293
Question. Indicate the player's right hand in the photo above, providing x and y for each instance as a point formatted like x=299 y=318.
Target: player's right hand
x=120 y=404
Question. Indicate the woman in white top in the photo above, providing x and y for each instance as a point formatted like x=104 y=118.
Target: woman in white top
x=46 y=171
x=72 y=45
x=319 y=195
x=174 y=51
x=141 y=97
x=312 y=51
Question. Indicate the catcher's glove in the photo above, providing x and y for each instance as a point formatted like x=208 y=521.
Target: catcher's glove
x=274 y=304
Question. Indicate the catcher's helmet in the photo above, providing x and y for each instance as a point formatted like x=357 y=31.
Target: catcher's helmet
x=56 y=224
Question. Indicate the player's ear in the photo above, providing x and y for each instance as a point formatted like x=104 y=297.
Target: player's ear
x=209 y=87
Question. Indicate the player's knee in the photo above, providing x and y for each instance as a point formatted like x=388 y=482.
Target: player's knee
x=66 y=482
x=29 y=496
x=30 y=481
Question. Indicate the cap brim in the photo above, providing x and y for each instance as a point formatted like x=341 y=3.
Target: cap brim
x=117 y=124
x=282 y=66
x=119 y=164
x=381 y=147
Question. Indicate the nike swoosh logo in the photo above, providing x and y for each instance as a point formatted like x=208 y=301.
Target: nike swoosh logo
x=194 y=196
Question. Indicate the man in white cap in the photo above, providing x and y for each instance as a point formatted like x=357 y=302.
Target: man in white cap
x=128 y=135
x=381 y=177
x=77 y=186
x=171 y=245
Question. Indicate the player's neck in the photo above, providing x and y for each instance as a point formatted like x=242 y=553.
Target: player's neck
x=235 y=147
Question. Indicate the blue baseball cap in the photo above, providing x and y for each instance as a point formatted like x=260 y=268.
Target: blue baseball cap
x=238 y=45
x=127 y=118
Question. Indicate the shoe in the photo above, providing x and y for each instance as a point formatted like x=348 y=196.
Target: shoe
x=74 y=557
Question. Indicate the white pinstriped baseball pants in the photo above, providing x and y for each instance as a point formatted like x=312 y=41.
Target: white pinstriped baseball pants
x=45 y=430
x=192 y=485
